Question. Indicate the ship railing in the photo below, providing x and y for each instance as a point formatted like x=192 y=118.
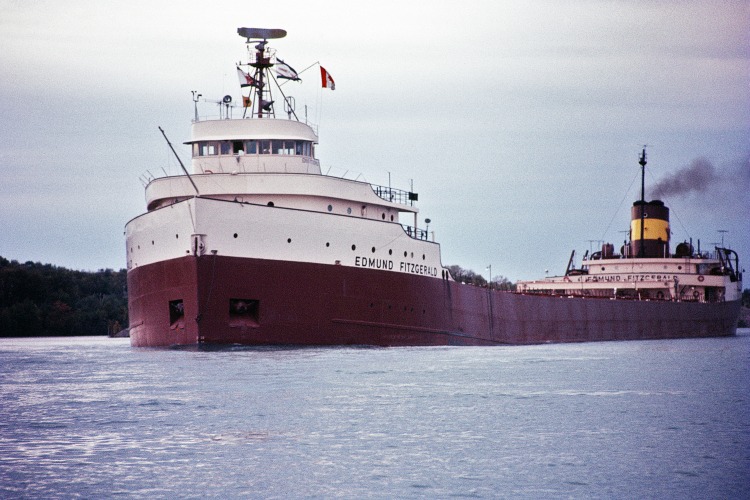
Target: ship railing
x=415 y=232
x=395 y=195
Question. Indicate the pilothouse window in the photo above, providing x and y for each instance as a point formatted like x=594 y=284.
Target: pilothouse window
x=252 y=147
x=208 y=148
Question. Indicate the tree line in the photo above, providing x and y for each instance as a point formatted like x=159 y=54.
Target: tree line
x=469 y=277
x=45 y=300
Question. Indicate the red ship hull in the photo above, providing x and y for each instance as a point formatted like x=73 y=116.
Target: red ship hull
x=228 y=300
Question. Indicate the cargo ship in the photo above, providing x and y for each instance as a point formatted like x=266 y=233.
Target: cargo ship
x=257 y=246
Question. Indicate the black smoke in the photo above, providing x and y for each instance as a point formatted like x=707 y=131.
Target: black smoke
x=697 y=177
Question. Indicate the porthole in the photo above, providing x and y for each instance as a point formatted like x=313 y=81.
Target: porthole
x=405 y=254
x=423 y=257
x=270 y=204
x=412 y=255
x=328 y=244
x=373 y=249
x=391 y=218
x=176 y=235
x=288 y=240
x=679 y=267
x=152 y=242
x=390 y=252
x=349 y=210
x=354 y=247
x=602 y=268
x=383 y=216
x=330 y=208
x=235 y=235
x=139 y=247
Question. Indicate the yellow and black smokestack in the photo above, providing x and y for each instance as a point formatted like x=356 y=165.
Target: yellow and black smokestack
x=654 y=241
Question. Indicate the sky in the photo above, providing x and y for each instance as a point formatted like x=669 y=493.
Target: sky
x=519 y=123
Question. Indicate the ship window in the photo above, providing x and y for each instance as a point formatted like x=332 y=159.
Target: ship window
x=251 y=147
x=265 y=147
x=237 y=146
x=208 y=148
x=226 y=148
x=196 y=149
x=298 y=146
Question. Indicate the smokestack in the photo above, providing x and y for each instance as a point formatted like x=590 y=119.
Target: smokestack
x=655 y=217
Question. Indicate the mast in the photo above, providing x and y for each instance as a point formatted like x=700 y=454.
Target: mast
x=261 y=59
x=642 y=163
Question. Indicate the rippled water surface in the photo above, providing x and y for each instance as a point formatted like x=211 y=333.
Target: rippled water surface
x=93 y=417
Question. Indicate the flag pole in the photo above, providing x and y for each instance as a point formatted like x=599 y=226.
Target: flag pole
x=300 y=72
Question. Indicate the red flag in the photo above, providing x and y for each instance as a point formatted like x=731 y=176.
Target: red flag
x=326 y=79
x=245 y=79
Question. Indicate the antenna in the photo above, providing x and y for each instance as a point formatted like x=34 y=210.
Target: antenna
x=722 y=232
x=262 y=60
x=195 y=100
x=642 y=163
x=289 y=106
x=260 y=33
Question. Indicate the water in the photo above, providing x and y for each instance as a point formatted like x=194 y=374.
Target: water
x=93 y=417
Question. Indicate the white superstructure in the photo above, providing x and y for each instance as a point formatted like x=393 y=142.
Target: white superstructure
x=256 y=190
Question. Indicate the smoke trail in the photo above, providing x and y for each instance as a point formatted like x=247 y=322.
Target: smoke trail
x=698 y=176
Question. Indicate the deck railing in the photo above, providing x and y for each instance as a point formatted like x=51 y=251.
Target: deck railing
x=394 y=195
x=414 y=232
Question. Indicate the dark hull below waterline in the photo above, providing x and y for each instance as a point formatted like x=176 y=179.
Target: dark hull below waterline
x=227 y=300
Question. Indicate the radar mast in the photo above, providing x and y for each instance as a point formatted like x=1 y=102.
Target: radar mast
x=262 y=59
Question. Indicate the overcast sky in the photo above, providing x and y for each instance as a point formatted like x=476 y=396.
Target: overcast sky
x=520 y=122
